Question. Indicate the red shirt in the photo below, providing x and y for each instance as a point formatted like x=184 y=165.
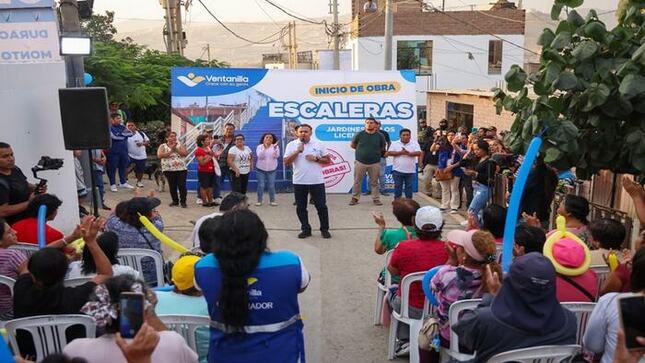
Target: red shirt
x=414 y=256
x=209 y=167
x=27 y=231
x=566 y=292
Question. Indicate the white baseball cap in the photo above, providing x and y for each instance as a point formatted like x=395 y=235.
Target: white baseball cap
x=428 y=215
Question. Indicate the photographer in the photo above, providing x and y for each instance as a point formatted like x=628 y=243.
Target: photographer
x=15 y=191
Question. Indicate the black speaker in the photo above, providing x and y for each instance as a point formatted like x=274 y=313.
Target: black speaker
x=85 y=116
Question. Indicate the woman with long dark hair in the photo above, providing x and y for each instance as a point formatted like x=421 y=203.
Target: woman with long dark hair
x=252 y=293
x=483 y=179
x=109 y=243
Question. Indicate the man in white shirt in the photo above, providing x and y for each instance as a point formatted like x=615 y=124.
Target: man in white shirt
x=370 y=7
x=405 y=153
x=137 y=151
x=307 y=157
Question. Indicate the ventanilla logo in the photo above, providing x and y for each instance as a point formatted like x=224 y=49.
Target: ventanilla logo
x=191 y=80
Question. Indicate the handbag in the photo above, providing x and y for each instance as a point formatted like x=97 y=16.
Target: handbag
x=443 y=175
x=429 y=337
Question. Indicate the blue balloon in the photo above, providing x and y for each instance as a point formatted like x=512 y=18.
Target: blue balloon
x=42 y=220
x=426 y=285
x=516 y=197
x=87 y=78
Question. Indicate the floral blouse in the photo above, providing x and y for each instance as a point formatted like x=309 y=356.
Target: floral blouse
x=454 y=283
x=173 y=162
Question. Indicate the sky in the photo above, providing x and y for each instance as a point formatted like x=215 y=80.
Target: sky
x=262 y=11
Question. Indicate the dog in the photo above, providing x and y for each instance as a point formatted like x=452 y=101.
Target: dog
x=153 y=169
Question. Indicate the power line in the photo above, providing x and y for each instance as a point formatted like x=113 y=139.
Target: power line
x=434 y=8
x=295 y=16
x=262 y=41
x=266 y=13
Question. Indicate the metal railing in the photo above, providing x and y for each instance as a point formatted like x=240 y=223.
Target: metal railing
x=190 y=138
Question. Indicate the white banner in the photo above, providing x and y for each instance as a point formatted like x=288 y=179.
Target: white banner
x=34 y=42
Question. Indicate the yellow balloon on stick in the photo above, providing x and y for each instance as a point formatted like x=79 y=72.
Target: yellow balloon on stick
x=562 y=233
x=77 y=245
x=160 y=236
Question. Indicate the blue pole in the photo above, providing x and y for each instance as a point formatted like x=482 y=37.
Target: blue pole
x=516 y=197
x=42 y=220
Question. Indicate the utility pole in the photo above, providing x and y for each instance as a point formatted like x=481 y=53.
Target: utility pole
x=208 y=53
x=175 y=42
x=443 y=5
x=336 y=34
x=75 y=71
x=289 y=48
x=389 y=25
x=295 y=47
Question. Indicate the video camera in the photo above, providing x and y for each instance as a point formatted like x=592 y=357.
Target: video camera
x=45 y=163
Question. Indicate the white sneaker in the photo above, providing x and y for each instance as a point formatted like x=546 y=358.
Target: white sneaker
x=126 y=186
x=199 y=201
x=113 y=187
x=273 y=204
x=218 y=201
x=140 y=184
x=258 y=204
x=454 y=211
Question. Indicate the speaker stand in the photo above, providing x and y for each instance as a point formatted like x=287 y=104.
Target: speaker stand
x=95 y=199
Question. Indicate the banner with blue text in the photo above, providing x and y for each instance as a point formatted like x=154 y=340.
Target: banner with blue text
x=334 y=103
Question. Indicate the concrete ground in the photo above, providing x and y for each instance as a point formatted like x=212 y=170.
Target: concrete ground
x=338 y=305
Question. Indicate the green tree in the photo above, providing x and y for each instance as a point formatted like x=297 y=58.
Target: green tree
x=590 y=93
x=132 y=73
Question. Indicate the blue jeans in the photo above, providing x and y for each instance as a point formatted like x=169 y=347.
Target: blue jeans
x=266 y=178
x=480 y=198
x=381 y=178
x=118 y=160
x=401 y=179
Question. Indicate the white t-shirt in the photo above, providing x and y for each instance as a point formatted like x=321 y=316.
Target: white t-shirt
x=306 y=172
x=404 y=163
x=172 y=348
x=74 y=271
x=195 y=235
x=134 y=151
x=242 y=158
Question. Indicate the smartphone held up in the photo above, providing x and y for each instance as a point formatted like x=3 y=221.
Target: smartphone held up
x=131 y=313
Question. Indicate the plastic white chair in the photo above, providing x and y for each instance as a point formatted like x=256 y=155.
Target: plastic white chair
x=7 y=281
x=186 y=326
x=404 y=317
x=27 y=248
x=453 y=316
x=48 y=331
x=381 y=290
x=602 y=272
x=583 y=311
x=542 y=354
x=78 y=281
x=133 y=256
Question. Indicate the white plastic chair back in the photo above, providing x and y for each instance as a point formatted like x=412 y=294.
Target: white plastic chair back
x=453 y=316
x=602 y=272
x=48 y=331
x=133 y=257
x=78 y=281
x=542 y=354
x=404 y=317
x=583 y=311
x=27 y=248
x=381 y=289
x=7 y=281
x=186 y=326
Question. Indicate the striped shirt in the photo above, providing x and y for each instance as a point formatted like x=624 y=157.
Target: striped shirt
x=10 y=261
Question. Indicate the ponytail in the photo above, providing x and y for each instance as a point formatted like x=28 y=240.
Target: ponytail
x=239 y=241
x=484 y=242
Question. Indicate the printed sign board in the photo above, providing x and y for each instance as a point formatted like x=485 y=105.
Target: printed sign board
x=334 y=103
x=34 y=42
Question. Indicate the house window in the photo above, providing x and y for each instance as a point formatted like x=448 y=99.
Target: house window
x=459 y=114
x=414 y=55
x=495 y=57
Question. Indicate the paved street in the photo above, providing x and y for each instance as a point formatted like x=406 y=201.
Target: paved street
x=338 y=305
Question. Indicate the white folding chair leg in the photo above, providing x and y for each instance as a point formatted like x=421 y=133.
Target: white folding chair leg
x=378 y=306
x=391 y=343
x=415 y=328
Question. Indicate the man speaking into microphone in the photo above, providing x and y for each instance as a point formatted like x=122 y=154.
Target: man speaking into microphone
x=307 y=157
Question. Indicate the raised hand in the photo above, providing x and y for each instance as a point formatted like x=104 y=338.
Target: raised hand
x=379 y=219
x=493 y=280
x=532 y=220
x=90 y=228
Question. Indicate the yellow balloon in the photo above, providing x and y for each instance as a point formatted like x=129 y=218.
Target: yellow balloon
x=77 y=245
x=559 y=234
x=160 y=236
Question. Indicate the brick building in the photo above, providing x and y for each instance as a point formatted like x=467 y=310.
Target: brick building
x=469 y=108
x=448 y=50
